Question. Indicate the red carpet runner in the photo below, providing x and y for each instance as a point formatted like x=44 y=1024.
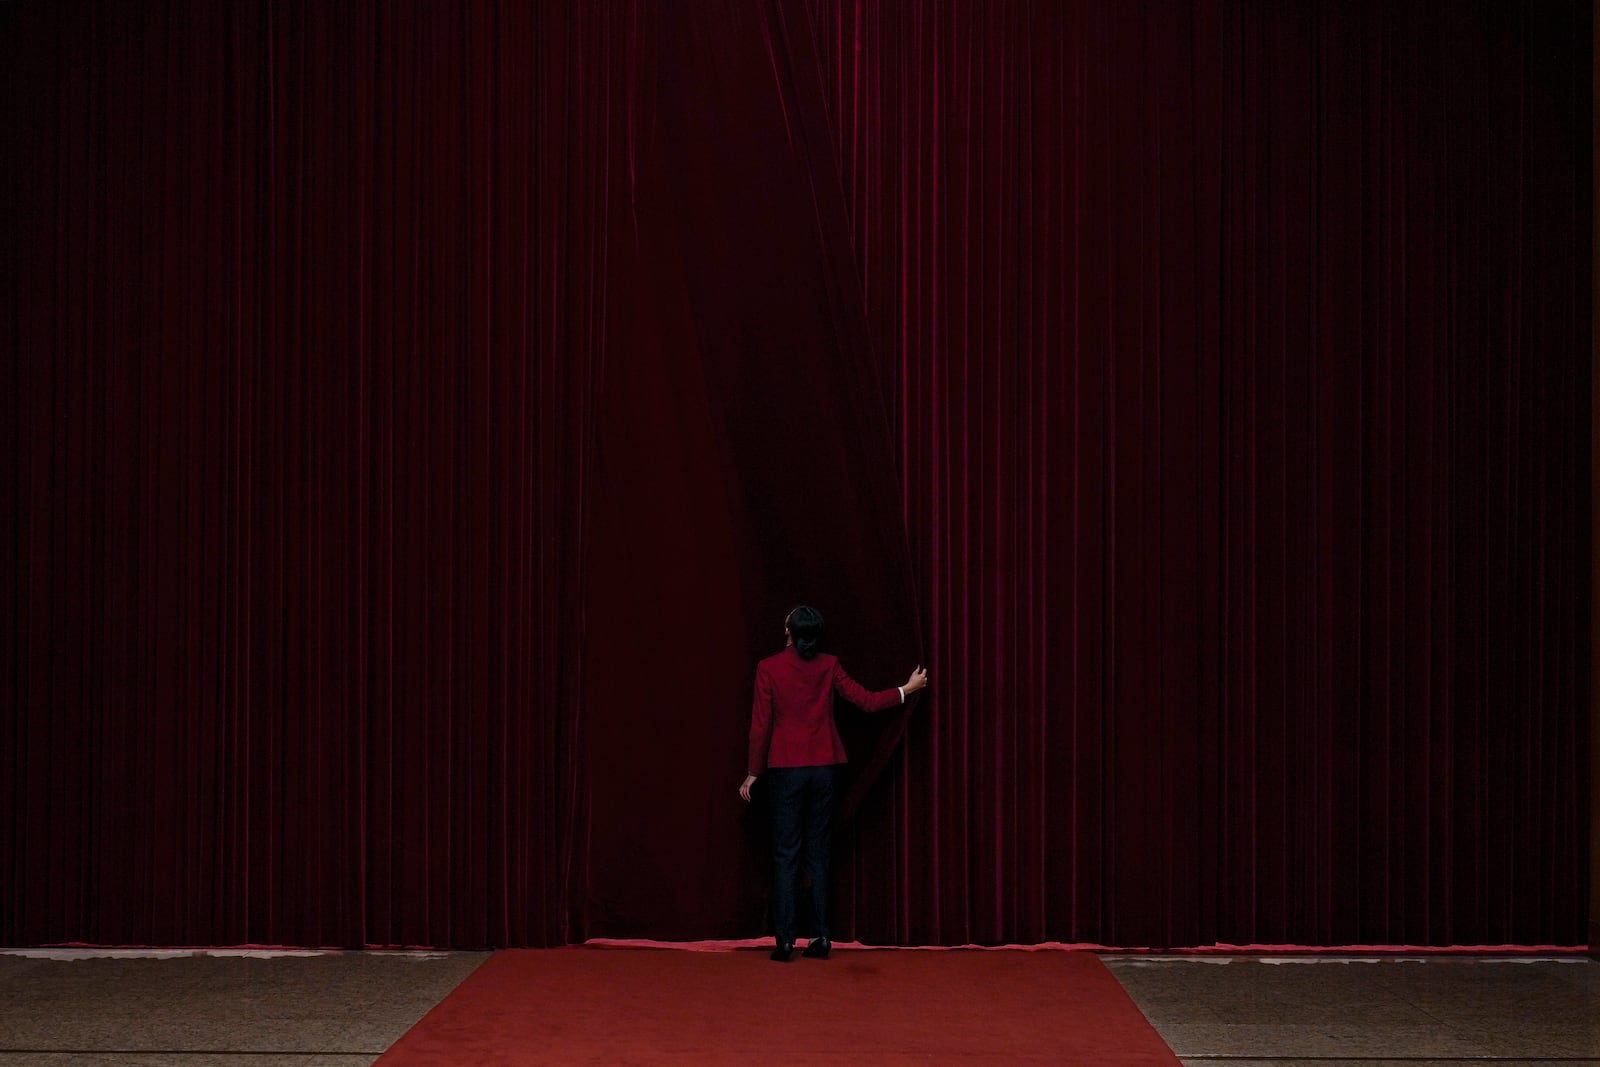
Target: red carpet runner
x=597 y=1005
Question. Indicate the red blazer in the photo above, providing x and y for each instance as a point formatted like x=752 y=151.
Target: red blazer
x=791 y=721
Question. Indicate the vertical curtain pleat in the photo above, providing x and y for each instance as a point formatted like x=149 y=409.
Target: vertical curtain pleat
x=303 y=389
x=420 y=416
x=1285 y=658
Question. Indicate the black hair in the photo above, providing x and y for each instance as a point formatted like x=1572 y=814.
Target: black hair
x=805 y=627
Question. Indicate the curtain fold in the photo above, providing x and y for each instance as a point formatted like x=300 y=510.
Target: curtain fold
x=1245 y=482
x=304 y=385
x=420 y=420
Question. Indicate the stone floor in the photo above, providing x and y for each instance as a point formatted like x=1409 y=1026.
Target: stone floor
x=94 y=1008
x=1361 y=1012
x=188 y=1009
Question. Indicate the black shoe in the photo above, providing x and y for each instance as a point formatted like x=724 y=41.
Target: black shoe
x=783 y=953
x=818 y=949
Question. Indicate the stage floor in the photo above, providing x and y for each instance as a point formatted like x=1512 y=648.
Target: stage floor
x=94 y=1008
x=1365 y=1011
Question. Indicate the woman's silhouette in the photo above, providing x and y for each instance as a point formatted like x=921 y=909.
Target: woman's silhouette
x=793 y=741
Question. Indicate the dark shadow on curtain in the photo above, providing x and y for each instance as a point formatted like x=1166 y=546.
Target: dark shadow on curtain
x=745 y=468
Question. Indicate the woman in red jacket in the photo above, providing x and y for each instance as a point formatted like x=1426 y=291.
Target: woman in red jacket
x=794 y=742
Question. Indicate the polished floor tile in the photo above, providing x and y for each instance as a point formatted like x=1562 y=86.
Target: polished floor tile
x=336 y=1008
x=1364 y=1012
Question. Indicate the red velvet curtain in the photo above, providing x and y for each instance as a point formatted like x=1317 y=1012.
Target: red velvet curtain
x=422 y=419
x=304 y=329
x=1242 y=370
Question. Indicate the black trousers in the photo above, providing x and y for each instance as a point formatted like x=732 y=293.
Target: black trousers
x=802 y=825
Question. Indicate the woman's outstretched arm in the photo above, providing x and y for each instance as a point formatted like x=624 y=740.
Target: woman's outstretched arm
x=858 y=694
